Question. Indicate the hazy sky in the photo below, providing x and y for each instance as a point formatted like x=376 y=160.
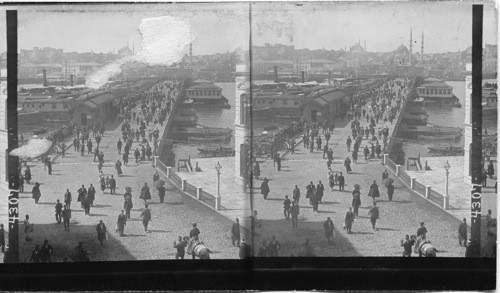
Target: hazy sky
x=447 y=26
x=216 y=28
x=221 y=27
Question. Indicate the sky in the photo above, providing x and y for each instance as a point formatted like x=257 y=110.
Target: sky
x=217 y=28
x=102 y=28
x=447 y=26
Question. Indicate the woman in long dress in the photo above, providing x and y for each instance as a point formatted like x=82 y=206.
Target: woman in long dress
x=118 y=167
x=347 y=164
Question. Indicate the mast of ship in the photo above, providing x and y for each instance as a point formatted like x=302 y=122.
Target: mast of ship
x=411 y=46
x=422 y=49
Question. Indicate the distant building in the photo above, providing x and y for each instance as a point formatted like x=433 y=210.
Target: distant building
x=96 y=107
x=324 y=105
x=80 y=69
x=318 y=66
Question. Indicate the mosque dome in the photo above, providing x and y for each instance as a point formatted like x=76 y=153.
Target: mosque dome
x=401 y=50
x=356 y=48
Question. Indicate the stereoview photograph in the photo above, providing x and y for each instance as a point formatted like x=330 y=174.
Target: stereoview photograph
x=237 y=130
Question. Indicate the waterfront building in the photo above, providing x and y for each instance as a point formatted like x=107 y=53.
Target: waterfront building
x=326 y=104
x=93 y=108
x=50 y=108
x=436 y=92
x=80 y=68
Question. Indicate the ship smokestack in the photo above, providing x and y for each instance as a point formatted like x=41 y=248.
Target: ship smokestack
x=44 y=77
x=71 y=79
x=302 y=76
x=329 y=76
x=276 y=79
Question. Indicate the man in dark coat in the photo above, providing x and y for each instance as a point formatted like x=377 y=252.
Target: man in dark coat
x=296 y=194
x=273 y=247
x=422 y=231
x=390 y=190
x=286 y=207
x=349 y=219
x=66 y=215
x=49 y=166
x=235 y=232
x=91 y=194
x=264 y=188
x=145 y=193
x=294 y=211
x=314 y=200
x=319 y=191
x=341 y=181
x=462 y=233
x=278 y=161
x=59 y=207
x=374 y=215
x=112 y=184
x=348 y=143
x=161 y=193
x=347 y=164
x=329 y=229
x=407 y=243
x=101 y=232
x=35 y=192
x=146 y=217
x=119 y=146
x=195 y=232
x=374 y=193
x=121 y=222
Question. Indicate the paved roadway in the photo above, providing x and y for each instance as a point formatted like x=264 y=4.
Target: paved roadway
x=397 y=218
x=170 y=219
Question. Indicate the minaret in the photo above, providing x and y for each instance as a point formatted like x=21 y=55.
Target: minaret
x=411 y=46
x=365 y=45
x=190 y=53
x=422 y=49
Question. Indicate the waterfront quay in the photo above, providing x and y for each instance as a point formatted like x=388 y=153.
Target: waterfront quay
x=170 y=219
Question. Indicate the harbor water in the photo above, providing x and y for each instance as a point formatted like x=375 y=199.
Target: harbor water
x=446 y=116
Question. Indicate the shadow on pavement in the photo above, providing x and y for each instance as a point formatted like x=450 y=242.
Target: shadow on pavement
x=64 y=243
x=292 y=238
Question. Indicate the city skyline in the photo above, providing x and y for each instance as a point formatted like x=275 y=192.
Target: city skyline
x=225 y=27
x=384 y=26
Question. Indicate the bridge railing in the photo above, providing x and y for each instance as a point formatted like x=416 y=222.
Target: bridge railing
x=415 y=186
x=183 y=185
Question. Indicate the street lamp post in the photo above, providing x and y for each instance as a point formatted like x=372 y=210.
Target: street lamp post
x=218 y=167
x=446 y=195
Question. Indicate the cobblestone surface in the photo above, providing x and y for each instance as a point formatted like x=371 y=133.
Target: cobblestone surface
x=170 y=219
x=397 y=218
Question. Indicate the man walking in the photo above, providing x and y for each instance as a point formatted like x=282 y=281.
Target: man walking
x=122 y=221
x=59 y=207
x=341 y=181
x=390 y=190
x=66 y=215
x=374 y=215
x=112 y=184
x=161 y=193
x=146 y=217
x=273 y=247
x=101 y=232
x=235 y=232
x=294 y=210
x=264 y=188
x=286 y=207
x=195 y=232
x=119 y=146
x=349 y=219
x=407 y=244
x=329 y=229
x=296 y=195
x=348 y=143
x=422 y=231
x=462 y=233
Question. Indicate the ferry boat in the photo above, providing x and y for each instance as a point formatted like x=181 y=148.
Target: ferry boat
x=204 y=132
x=415 y=119
x=185 y=121
x=435 y=93
x=206 y=94
x=217 y=151
x=431 y=130
x=207 y=139
x=489 y=100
